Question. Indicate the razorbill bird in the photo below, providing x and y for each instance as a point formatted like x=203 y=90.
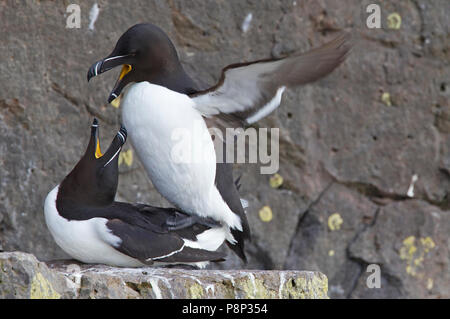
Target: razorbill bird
x=91 y=227
x=164 y=100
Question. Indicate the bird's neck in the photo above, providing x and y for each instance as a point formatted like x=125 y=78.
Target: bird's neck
x=175 y=79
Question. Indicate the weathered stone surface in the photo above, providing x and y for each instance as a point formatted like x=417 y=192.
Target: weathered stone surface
x=338 y=131
x=414 y=260
x=23 y=276
x=326 y=230
x=346 y=232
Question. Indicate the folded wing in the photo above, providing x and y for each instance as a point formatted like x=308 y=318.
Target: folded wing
x=149 y=247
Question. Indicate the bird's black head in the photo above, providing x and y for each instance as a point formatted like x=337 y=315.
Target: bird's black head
x=93 y=181
x=146 y=54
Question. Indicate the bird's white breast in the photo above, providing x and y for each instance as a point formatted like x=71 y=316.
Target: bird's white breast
x=172 y=141
x=89 y=241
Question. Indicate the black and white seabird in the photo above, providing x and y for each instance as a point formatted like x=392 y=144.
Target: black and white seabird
x=91 y=227
x=164 y=99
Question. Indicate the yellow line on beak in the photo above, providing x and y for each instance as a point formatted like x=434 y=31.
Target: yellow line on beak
x=98 y=152
x=125 y=69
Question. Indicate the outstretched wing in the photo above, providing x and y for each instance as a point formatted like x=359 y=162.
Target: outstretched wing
x=247 y=92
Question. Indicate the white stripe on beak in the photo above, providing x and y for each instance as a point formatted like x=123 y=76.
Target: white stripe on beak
x=96 y=68
x=122 y=137
x=115 y=57
x=113 y=157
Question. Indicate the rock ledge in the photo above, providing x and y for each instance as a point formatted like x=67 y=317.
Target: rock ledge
x=23 y=276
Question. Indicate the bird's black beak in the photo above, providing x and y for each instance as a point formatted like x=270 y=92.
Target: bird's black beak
x=109 y=63
x=113 y=150
x=116 y=146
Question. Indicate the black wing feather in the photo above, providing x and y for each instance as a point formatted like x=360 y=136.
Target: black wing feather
x=148 y=246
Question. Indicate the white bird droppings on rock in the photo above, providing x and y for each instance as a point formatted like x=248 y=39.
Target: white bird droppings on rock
x=93 y=15
x=246 y=23
x=252 y=280
x=210 y=289
x=244 y=203
x=282 y=282
x=155 y=287
x=410 y=192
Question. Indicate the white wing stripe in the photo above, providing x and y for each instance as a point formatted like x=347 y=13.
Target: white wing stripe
x=268 y=108
x=168 y=255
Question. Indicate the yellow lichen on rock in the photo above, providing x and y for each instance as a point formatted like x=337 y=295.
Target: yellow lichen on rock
x=126 y=157
x=254 y=288
x=319 y=286
x=386 y=98
x=415 y=255
x=276 y=180
x=430 y=283
x=335 y=221
x=427 y=243
x=196 y=291
x=409 y=241
x=394 y=21
x=307 y=287
x=265 y=214
x=41 y=288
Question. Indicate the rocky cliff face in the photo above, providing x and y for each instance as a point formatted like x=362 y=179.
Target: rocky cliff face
x=364 y=153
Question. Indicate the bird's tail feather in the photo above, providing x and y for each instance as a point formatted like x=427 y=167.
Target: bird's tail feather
x=239 y=244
